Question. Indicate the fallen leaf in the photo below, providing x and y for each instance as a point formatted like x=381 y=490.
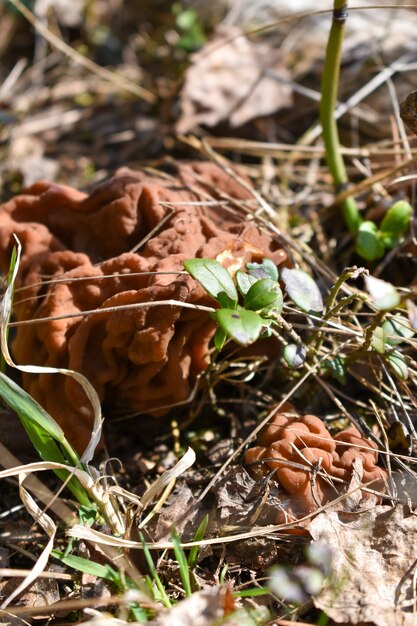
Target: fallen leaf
x=201 y=609
x=235 y=79
x=373 y=565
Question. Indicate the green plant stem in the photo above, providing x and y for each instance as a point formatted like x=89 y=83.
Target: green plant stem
x=329 y=90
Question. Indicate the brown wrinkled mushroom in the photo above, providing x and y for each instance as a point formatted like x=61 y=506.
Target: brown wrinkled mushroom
x=79 y=254
x=291 y=442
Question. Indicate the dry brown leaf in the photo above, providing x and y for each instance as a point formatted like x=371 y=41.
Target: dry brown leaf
x=201 y=609
x=374 y=565
x=233 y=79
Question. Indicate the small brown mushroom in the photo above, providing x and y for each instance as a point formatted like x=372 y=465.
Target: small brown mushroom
x=79 y=255
x=291 y=442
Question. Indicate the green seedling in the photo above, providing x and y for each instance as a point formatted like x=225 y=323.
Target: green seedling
x=189 y=27
x=252 y=307
x=371 y=242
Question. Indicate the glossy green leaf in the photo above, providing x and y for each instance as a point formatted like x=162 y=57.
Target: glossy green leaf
x=245 y=281
x=215 y=279
x=368 y=242
x=398 y=364
x=384 y=295
x=264 y=295
x=242 y=326
x=395 y=223
x=294 y=355
x=397 y=328
x=266 y=269
x=302 y=290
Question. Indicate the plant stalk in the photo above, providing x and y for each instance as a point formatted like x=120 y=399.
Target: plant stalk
x=329 y=90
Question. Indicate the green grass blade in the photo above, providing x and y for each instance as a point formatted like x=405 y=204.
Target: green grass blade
x=90 y=567
x=182 y=563
x=201 y=531
x=154 y=574
x=45 y=434
x=252 y=593
x=25 y=406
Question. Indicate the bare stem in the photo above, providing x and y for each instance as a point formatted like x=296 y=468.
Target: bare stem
x=329 y=89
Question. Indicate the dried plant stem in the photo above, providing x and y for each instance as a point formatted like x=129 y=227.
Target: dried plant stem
x=329 y=89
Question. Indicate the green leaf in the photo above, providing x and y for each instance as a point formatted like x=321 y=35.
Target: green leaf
x=154 y=573
x=294 y=355
x=337 y=369
x=44 y=433
x=199 y=535
x=395 y=223
x=253 y=592
x=89 y=567
x=138 y=613
x=266 y=269
x=88 y=514
x=28 y=409
x=368 y=242
x=245 y=281
x=302 y=290
x=182 y=563
x=379 y=340
x=186 y=19
x=264 y=294
x=215 y=279
x=242 y=326
x=219 y=339
x=398 y=364
x=397 y=328
x=384 y=295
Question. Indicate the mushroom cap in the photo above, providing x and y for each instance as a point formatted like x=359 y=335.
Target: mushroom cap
x=79 y=254
x=307 y=458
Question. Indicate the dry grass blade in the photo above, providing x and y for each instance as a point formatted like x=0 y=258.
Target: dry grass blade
x=48 y=526
x=33 y=484
x=179 y=468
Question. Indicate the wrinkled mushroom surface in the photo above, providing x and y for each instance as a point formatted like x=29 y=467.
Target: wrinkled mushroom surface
x=94 y=252
x=290 y=443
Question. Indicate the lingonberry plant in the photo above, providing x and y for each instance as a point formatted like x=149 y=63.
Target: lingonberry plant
x=250 y=306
